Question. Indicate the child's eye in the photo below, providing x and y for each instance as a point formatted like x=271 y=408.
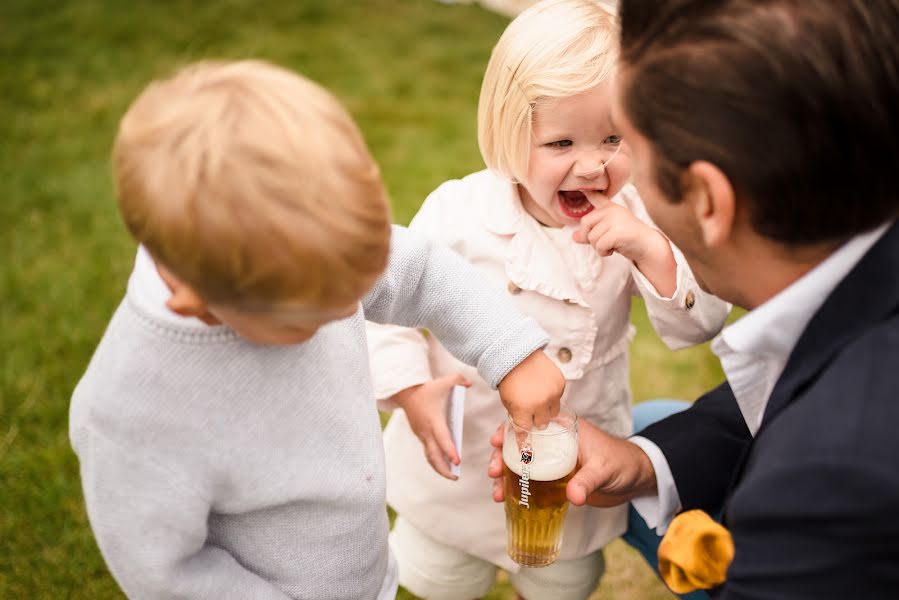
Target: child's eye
x=560 y=144
x=613 y=140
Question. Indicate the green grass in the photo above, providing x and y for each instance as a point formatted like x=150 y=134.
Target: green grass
x=409 y=71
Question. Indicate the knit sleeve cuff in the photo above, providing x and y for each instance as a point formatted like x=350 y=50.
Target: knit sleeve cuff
x=507 y=351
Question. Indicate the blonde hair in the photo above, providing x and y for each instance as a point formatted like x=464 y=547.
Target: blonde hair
x=252 y=185
x=554 y=49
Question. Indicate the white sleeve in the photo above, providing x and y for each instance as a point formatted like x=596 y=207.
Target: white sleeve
x=151 y=526
x=690 y=316
x=657 y=510
x=398 y=357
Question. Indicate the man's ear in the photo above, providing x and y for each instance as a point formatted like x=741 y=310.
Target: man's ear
x=184 y=300
x=712 y=198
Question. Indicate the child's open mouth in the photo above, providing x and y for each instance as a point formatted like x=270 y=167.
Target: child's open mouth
x=574 y=203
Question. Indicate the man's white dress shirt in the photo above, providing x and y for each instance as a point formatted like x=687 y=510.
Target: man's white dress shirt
x=753 y=353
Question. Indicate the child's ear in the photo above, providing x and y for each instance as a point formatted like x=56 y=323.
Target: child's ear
x=187 y=303
x=713 y=201
x=184 y=300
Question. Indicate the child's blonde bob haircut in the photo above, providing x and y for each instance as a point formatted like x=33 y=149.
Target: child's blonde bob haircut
x=252 y=185
x=554 y=49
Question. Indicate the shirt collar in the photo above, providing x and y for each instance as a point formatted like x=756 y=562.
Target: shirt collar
x=754 y=350
x=774 y=327
x=504 y=214
x=150 y=293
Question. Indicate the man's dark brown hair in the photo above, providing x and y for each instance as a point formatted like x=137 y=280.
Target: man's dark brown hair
x=797 y=101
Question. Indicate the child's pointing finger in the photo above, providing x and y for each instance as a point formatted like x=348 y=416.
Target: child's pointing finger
x=588 y=222
x=596 y=198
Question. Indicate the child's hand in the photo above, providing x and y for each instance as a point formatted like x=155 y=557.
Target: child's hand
x=531 y=391
x=425 y=407
x=610 y=227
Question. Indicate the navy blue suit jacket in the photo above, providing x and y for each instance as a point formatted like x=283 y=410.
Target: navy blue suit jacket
x=812 y=501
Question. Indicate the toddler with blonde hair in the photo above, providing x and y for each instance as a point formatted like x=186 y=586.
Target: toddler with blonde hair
x=558 y=169
x=227 y=435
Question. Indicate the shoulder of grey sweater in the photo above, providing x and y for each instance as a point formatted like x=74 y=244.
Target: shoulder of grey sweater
x=390 y=298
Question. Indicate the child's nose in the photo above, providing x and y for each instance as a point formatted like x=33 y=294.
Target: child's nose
x=590 y=164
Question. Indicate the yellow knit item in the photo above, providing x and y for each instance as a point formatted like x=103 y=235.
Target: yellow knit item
x=695 y=553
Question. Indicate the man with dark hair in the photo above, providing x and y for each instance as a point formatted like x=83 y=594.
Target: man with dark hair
x=765 y=136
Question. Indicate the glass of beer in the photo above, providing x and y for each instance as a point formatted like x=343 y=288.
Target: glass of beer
x=538 y=463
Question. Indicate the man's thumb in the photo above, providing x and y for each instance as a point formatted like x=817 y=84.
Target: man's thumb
x=578 y=490
x=582 y=485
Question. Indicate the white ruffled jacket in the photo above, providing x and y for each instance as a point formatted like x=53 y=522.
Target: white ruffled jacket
x=582 y=301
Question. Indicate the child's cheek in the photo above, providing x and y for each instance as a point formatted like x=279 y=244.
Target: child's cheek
x=619 y=173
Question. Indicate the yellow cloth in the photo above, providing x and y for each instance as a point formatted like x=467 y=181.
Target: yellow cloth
x=695 y=553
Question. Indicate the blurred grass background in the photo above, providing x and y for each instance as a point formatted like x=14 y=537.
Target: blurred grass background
x=409 y=71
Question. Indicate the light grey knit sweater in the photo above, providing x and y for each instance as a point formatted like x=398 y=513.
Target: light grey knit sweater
x=216 y=468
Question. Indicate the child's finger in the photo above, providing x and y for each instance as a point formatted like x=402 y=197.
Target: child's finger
x=589 y=223
x=448 y=381
x=460 y=379
x=444 y=440
x=602 y=242
x=544 y=416
x=523 y=418
x=437 y=460
x=597 y=232
x=593 y=217
x=581 y=235
x=597 y=199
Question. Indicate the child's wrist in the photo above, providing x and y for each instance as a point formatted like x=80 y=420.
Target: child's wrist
x=655 y=250
x=402 y=397
x=659 y=266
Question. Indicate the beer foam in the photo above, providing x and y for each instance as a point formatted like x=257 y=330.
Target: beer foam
x=552 y=456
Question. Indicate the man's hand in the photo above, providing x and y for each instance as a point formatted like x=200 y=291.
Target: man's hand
x=531 y=392
x=612 y=471
x=495 y=466
x=425 y=407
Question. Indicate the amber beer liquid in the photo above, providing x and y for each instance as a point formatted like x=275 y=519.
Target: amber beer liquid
x=537 y=468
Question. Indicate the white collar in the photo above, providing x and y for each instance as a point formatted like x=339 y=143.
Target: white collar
x=754 y=350
x=773 y=328
x=150 y=293
x=504 y=214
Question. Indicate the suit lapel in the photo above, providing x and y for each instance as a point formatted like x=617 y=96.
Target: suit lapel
x=868 y=295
